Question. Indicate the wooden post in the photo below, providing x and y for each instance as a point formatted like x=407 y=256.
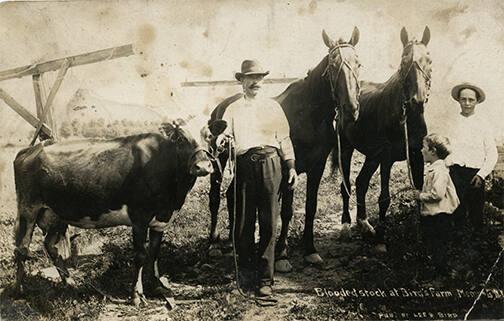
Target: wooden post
x=47 y=110
x=39 y=104
x=23 y=112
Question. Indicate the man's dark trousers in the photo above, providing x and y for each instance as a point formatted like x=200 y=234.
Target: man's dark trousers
x=258 y=178
x=472 y=199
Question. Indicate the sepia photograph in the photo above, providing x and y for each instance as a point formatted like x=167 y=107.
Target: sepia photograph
x=251 y=160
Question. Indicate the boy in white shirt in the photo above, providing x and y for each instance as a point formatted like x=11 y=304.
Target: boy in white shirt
x=438 y=200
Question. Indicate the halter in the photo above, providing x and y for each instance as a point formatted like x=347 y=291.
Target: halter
x=425 y=75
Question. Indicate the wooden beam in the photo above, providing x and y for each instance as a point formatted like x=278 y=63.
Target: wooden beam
x=38 y=96
x=47 y=113
x=234 y=82
x=77 y=60
x=23 y=112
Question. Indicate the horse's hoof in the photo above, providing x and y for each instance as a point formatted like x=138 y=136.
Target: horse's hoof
x=366 y=228
x=283 y=266
x=346 y=232
x=138 y=299
x=70 y=282
x=214 y=251
x=314 y=259
x=380 y=248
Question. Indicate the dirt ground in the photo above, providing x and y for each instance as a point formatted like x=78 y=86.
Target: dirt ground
x=356 y=283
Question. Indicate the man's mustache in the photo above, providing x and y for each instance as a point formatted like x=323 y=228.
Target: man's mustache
x=254 y=86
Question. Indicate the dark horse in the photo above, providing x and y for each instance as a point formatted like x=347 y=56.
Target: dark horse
x=309 y=105
x=379 y=133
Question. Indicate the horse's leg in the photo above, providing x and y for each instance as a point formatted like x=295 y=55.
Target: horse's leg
x=282 y=263
x=384 y=198
x=314 y=175
x=383 y=203
x=214 y=204
x=23 y=232
x=139 y=238
x=417 y=167
x=361 y=186
x=346 y=189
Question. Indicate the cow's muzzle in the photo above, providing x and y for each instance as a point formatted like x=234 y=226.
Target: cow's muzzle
x=202 y=168
x=200 y=163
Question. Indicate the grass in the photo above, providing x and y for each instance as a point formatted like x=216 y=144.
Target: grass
x=204 y=285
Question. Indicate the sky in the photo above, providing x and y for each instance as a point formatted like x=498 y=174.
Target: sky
x=178 y=41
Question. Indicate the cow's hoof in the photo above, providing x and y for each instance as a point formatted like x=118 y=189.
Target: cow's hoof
x=283 y=266
x=314 y=259
x=366 y=228
x=380 y=249
x=346 y=232
x=214 y=251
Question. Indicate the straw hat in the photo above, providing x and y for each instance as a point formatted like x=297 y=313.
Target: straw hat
x=480 y=94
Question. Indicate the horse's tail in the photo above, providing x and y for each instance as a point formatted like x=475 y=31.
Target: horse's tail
x=335 y=159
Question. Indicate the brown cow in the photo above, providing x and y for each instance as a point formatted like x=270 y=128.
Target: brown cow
x=138 y=180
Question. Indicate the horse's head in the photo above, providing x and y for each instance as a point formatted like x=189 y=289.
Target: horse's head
x=343 y=72
x=416 y=67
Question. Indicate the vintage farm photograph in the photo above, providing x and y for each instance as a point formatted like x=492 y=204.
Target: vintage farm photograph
x=251 y=160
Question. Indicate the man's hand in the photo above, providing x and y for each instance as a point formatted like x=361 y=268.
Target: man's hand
x=222 y=140
x=416 y=194
x=477 y=181
x=293 y=179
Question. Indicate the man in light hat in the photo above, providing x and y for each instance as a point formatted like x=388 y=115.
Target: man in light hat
x=473 y=157
x=263 y=147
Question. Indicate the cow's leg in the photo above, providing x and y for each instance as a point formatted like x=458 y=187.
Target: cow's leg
x=139 y=238
x=56 y=233
x=157 y=227
x=314 y=175
x=346 y=189
x=23 y=231
x=282 y=263
x=362 y=184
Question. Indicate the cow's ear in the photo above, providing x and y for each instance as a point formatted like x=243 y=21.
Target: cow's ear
x=179 y=122
x=217 y=127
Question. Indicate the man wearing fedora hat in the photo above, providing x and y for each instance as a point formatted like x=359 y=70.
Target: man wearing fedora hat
x=261 y=135
x=473 y=157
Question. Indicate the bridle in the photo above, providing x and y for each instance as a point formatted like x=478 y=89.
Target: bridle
x=334 y=53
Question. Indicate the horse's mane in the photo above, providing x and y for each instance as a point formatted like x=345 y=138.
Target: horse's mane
x=310 y=86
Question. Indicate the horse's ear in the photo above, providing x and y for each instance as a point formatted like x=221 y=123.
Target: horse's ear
x=426 y=36
x=355 y=36
x=404 y=36
x=328 y=41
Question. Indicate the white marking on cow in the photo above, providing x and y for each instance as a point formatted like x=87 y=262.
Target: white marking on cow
x=109 y=219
